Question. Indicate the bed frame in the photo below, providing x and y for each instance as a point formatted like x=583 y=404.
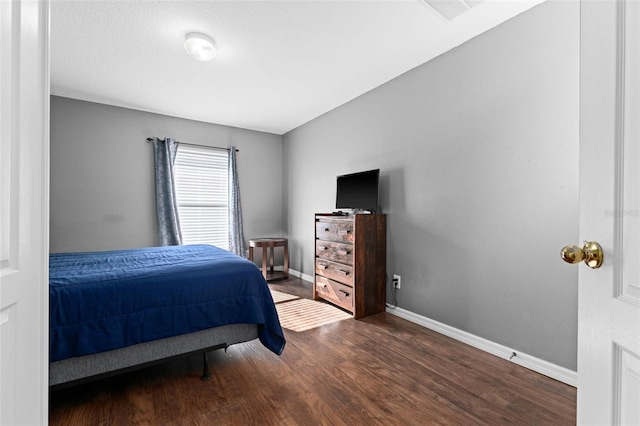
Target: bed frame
x=72 y=371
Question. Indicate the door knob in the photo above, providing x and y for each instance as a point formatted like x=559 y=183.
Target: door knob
x=591 y=253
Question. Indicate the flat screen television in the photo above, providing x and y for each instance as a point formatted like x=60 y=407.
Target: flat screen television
x=358 y=191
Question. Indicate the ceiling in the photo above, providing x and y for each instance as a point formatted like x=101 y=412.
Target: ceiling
x=280 y=63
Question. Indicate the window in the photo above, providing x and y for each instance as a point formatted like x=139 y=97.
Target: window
x=201 y=178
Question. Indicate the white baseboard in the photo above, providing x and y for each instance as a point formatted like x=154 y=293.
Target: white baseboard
x=538 y=365
x=293 y=272
x=298 y=274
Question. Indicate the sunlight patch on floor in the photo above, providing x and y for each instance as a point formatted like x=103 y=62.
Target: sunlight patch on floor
x=279 y=296
x=304 y=314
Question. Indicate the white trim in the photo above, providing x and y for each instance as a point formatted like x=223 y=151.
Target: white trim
x=24 y=269
x=538 y=365
x=619 y=143
x=298 y=274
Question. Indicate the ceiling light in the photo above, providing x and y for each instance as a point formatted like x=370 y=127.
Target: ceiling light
x=200 y=46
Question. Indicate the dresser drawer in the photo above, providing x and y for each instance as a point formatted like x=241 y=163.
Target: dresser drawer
x=336 y=271
x=335 y=292
x=339 y=252
x=335 y=231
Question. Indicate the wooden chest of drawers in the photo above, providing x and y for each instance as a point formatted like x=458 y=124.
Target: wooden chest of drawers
x=350 y=262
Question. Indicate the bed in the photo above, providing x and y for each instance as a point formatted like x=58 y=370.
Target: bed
x=119 y=310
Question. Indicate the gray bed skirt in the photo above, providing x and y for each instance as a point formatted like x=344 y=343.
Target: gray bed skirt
x=84 y=367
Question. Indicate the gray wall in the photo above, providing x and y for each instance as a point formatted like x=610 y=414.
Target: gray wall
x=102 y=195
x=478 y=151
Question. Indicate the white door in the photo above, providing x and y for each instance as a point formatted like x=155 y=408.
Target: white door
x=609 y=297
x=24 y=211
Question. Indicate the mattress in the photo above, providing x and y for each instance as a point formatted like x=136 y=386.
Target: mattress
x=100 y=301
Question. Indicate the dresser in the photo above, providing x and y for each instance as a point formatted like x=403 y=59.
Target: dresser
x=351 y=262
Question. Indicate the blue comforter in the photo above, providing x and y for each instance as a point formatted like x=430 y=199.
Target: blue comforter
x=108 y=300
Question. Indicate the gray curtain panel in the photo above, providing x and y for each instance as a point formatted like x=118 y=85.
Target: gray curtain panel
x=164 y=155
x=236 y=233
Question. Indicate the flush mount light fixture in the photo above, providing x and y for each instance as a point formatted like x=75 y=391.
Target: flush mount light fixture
x=200 y=46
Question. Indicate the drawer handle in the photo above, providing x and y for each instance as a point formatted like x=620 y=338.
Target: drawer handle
x=344 y=292
x=322 y=267
x=323 y=248
x=343 y=252
x=343 y=272
x=326 y=229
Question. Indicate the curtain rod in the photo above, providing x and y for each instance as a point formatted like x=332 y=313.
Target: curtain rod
x=195 y=144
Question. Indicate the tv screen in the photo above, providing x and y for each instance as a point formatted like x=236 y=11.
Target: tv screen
x=358 y=191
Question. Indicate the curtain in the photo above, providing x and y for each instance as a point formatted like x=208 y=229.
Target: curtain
x=236 y=232
x=164 y=155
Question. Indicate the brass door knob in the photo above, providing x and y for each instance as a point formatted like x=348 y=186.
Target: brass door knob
x=591 y=253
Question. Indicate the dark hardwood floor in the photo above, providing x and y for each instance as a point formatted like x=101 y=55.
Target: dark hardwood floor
x=378 y=370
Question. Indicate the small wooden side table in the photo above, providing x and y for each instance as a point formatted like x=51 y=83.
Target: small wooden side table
x=268 y=244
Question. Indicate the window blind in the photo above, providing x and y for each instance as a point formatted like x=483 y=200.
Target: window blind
x=201 y=178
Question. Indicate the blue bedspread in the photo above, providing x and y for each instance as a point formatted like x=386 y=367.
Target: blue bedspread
x=108 y=300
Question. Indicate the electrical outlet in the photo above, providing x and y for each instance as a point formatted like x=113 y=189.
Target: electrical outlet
x=396 y=281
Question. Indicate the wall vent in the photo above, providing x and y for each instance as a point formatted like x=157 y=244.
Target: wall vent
x=451 y=9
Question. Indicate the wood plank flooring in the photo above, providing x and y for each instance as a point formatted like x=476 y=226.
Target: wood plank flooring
x=381 y=370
